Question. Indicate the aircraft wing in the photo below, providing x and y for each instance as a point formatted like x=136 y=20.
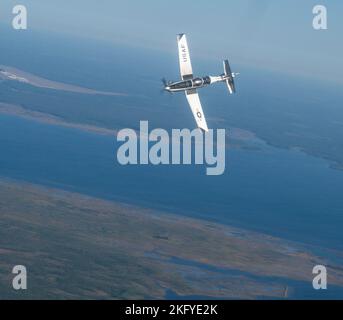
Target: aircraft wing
x=194 y=102
x=184 y=58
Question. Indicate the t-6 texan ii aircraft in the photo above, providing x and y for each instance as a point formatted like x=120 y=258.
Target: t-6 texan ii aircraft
x=189 y=84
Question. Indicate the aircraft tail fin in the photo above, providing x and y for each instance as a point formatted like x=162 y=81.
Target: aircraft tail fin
x=229 y=77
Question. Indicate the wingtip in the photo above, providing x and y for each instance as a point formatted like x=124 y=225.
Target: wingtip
x=205 y=129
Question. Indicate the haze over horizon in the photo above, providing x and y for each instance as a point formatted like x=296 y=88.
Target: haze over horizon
x=264 y=34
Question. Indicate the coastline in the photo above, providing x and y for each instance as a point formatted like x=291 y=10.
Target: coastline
x=234 y=259
x=238 y=137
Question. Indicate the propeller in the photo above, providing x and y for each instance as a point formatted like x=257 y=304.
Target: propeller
x=165 y=84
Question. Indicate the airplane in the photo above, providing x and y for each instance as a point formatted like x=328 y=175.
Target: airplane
x=189 y=84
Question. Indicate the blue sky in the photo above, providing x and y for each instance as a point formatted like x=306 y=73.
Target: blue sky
x=277 y=35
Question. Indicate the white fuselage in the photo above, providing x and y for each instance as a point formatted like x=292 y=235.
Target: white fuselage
x=194 y=83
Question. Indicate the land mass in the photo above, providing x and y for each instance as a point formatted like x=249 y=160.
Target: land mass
x=79 y=247
x=14 y=74
x=238 y=138
x=302 y=121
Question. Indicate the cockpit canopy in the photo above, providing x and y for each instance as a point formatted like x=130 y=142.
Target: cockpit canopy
x=181 y=85
x=188 y=84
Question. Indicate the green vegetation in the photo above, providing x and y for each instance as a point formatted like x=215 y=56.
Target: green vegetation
x=80 y=247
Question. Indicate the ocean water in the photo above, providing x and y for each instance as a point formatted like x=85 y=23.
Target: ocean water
x=280 y=192
x=298 y=289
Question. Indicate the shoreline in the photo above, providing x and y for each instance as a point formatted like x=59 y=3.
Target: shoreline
x=13 y=74
x=154 y=239
x=242 y=138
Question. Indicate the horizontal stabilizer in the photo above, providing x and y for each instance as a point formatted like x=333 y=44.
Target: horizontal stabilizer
x=229 y=80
